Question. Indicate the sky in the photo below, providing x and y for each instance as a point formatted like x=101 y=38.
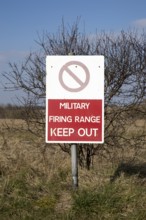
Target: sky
x=22 y=20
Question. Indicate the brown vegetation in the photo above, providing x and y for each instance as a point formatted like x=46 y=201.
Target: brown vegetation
x=36 y=182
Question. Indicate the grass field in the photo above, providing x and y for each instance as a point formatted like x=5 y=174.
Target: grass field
x=36 y=182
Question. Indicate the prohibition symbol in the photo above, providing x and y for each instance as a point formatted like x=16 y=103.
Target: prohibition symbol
x=81 y=81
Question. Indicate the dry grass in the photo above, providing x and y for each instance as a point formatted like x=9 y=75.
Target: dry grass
x=36 y=182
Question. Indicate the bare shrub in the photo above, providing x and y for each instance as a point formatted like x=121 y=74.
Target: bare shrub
x=125 y=90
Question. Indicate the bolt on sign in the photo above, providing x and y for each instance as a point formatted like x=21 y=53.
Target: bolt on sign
x=75 y=99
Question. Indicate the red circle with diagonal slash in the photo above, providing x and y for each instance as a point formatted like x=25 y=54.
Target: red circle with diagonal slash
x=82 y=84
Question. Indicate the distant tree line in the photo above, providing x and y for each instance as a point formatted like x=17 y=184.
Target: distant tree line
x=10 y=111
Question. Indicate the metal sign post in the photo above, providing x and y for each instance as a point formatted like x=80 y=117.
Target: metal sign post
x=75 y=102
x=74 y=163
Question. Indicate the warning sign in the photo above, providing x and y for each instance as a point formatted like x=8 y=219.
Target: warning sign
x=73 y=114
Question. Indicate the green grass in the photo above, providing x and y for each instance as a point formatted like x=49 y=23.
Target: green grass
x=112 y=201
x=24 y=197
x=37 y=185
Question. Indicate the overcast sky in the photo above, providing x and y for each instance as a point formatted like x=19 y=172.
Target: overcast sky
x=21 y=20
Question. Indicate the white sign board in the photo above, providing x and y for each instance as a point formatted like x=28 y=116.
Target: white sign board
x=75 y=99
